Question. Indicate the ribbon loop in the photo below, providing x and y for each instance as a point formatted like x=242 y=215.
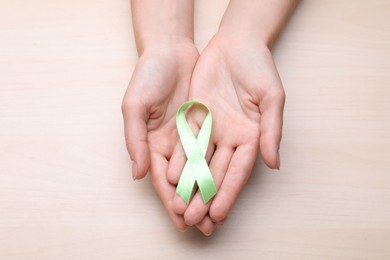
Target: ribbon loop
x=196 y=169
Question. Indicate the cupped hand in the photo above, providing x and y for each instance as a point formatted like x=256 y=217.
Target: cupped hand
x=238 y=80
x=159 y=85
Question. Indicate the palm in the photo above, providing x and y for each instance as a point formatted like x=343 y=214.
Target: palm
x=239 y=83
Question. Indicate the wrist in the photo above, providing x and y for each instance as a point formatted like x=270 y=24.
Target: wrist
x=258 y=20
x=242 y=21
x=170 y=51
x=162 y=22
x=147 y=42
x=232 y=40
x=243 y=33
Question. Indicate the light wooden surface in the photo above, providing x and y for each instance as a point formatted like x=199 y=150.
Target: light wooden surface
x=66 y=190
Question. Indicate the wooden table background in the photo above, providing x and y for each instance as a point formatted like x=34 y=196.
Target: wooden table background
x=66 y=190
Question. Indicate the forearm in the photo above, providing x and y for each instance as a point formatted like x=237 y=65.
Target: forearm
x=260 y=19
x=162 y=22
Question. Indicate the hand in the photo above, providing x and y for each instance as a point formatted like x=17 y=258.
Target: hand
x=238 y=80
x=159 y=85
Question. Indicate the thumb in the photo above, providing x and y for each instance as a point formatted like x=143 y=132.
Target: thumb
x=135 y=117
x=271 y=123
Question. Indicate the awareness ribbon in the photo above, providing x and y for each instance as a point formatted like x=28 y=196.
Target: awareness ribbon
x=196 y=169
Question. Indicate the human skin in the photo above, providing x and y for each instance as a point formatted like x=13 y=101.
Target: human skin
x=238 y=65
x=237 y=78
x=160 y=82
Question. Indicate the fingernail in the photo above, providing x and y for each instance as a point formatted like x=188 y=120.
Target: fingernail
x=278 y=161
x=207 y=234
x=183 y=230
x=134 y=170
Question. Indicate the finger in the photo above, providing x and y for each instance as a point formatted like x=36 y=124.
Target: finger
x=271 y=123
x=222 y=222
x=176 y=164
x=179 y=205
x=175 y=167
x=135 y=117
x=237 y=175
x=206 y=226
x=164 y=189
x=197 y=210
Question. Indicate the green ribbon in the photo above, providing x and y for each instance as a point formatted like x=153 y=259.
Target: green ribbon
x=196 y=169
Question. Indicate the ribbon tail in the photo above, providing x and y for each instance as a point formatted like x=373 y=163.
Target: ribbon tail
x=204 y=180
x=186 y=184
